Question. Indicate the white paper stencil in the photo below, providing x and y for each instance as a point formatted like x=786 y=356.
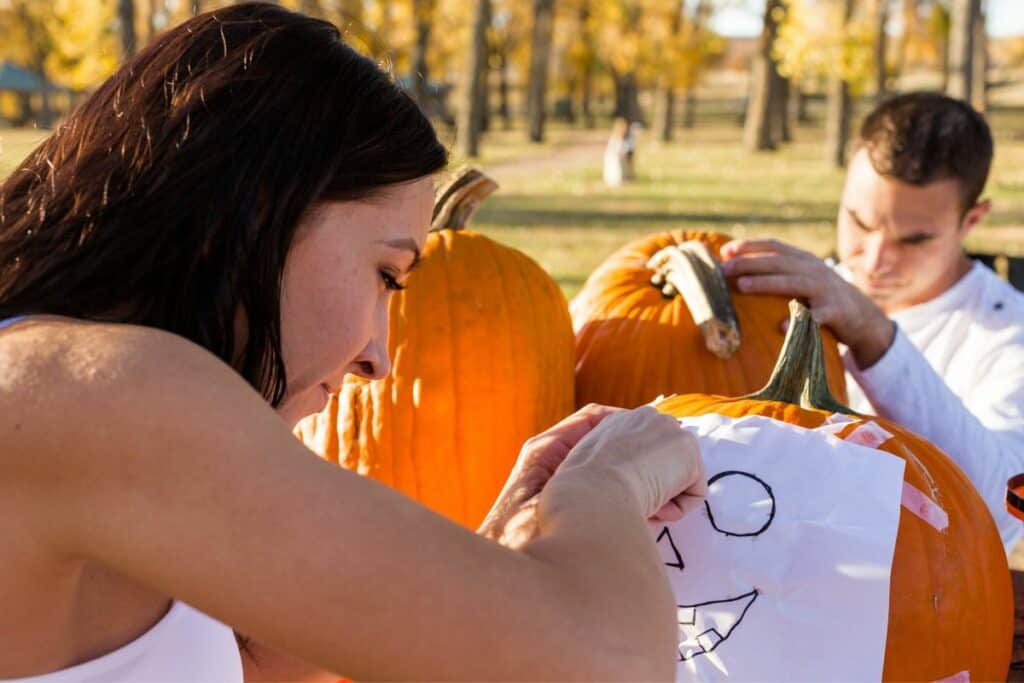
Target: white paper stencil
x=784 y=574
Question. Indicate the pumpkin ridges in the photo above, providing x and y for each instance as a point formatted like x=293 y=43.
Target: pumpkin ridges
x=449 y=381
x=502 y=351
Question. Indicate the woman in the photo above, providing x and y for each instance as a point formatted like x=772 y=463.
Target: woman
x=213 y=236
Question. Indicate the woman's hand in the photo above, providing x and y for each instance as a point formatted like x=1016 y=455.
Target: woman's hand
x=512 y=519
x=659 y=463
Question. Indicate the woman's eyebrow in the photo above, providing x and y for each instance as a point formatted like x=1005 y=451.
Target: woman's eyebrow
x=407 y=244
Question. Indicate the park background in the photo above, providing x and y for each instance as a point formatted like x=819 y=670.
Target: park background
x=745 y=107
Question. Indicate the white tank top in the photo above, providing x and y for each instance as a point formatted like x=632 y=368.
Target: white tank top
x=185 y=645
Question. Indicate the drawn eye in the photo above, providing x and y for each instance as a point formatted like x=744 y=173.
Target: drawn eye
x=739 y=504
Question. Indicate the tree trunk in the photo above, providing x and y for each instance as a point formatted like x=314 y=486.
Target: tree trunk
x=780 y=110
x=45 y=117
x=757 y=129
x=798 y=104
x=689 y=108
x=961 y=48
x=881 y=42
x=484 y=108
x=979 y=79
x=126 y=17
x=911 y=27
x=667 y=113
x=469 y=112
x=540 y=51
x=420 y=71
x=503 y=107
x=667 y=108
x=423 y=13
x=837 y=124
x=586 y=73
x=586 y=110
x=700 y=17
x=627 y=97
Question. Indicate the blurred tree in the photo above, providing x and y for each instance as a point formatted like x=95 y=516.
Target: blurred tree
x=540 y=57
x=473 y=101
x=763 y=97
x=881 y=43
x=963 y=17
x=126 y=22
x=701 y=16
x=837 y=121
x=831 y=40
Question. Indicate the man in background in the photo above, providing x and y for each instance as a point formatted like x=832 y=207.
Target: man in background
x=935 y=340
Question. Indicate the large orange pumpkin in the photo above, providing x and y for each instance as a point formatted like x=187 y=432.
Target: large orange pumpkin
x=482 y=351
x=636 y=339
x=951 y=599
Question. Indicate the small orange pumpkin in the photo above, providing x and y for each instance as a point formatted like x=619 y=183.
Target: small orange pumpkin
x=635 y=339
x=482 y=347
x=951 y=599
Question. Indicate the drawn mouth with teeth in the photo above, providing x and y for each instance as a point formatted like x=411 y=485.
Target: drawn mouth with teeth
x=738 y=505
x=706 y=625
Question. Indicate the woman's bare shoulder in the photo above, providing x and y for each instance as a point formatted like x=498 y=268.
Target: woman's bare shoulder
x=66 y=379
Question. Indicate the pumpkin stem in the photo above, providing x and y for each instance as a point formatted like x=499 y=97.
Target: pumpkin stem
x=799 y=375
x=689 y=269
x=456 y=201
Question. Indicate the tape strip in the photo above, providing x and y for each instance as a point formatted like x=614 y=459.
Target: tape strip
x=869 y=434
x=927 y=509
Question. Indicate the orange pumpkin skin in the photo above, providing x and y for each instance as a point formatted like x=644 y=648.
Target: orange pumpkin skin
x=632 y=344
x=950 y=596
x=482 y=351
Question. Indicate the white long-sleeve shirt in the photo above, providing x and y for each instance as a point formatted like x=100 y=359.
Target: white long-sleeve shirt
x=955 y=375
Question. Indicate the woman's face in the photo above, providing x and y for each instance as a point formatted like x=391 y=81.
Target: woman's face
x=345 y=262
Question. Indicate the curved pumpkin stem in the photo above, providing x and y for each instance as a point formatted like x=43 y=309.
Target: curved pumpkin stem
x=689 y=269
x=799 y=375
x=460 y=197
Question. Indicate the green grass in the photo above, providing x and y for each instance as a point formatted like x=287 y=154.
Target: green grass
x=569 y=222
x=553 y=205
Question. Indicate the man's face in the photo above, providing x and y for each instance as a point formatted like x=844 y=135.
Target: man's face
x=901 y=242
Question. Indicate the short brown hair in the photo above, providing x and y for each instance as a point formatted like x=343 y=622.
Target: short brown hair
x=922 y=137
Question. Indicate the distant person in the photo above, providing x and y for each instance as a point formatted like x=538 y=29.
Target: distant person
x=619 y=153
x=935 y=340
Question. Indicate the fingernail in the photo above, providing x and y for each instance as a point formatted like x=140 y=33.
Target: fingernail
x=744 y=283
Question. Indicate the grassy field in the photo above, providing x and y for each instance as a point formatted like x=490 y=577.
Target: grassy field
x=567 y=220
x=553 y=205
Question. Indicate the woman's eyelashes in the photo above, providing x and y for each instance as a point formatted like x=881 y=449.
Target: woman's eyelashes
x=391 y=281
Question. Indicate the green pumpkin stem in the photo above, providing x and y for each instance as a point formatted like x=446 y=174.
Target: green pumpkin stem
x=458 y=200
x=799 y=376
x=690 y=270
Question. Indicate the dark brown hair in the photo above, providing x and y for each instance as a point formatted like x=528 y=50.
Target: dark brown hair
x=923 y=137
x=171 y=196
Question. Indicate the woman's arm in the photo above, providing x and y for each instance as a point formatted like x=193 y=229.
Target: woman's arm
x=147 y=454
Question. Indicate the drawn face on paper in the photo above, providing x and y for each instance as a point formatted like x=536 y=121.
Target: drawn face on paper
x=738 y=505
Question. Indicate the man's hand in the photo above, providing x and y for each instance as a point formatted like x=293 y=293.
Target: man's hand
x=771 y=267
